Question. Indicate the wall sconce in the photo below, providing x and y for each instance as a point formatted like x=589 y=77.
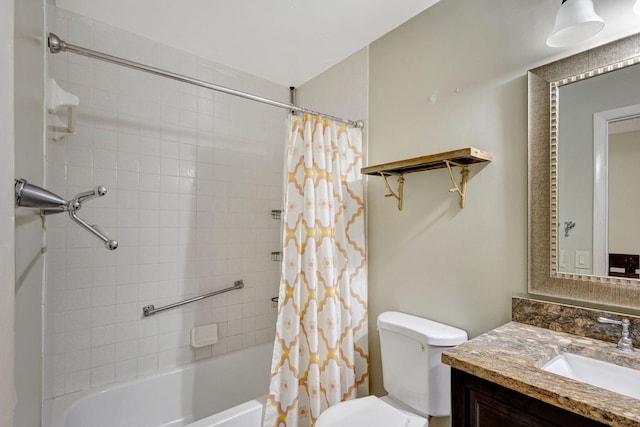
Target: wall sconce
x=576 y=21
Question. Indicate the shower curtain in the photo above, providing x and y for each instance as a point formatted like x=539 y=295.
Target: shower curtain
x=320 y=354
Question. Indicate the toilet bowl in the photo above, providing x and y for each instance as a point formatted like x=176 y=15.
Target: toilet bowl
x=370 y=411
x=417 y=382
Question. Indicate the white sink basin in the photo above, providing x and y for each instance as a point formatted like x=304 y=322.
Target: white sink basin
x=596 y=372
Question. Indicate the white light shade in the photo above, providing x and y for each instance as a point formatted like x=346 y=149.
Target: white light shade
x=636 y=7
x=576 y=21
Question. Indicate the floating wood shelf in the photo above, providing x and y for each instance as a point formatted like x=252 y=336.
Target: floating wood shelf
x=461 y=158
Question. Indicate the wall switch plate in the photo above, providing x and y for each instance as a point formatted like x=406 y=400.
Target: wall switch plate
x=583 y=259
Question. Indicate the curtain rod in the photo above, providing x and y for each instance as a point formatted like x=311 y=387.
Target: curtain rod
x=56 y=45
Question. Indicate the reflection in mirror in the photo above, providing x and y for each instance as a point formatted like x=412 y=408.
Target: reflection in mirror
x=596 y=198
x=623 y=197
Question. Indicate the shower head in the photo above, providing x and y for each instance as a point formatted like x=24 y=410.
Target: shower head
x=32 y=196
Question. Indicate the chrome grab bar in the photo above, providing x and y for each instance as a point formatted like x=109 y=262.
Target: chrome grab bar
x=148 y=310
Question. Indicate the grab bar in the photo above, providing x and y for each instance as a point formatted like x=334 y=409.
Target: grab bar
x=148 y=310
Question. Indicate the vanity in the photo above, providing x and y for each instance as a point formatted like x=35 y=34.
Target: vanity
x=555 y=364
x=499 y=378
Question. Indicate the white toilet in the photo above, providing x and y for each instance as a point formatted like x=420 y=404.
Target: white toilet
x=417 y=381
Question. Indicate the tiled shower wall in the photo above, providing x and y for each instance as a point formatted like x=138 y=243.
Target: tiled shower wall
x=192 y=176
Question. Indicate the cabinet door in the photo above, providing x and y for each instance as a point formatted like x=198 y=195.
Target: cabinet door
x=486 y=411
x=479 y=403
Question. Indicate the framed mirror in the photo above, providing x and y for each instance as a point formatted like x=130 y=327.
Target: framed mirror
x=584 y=125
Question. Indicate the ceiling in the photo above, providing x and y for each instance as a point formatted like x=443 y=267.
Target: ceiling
x=285 y=41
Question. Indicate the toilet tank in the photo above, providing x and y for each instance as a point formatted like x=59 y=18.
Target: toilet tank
x=412 y=371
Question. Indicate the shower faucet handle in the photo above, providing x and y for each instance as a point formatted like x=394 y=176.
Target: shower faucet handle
x=79 y=198
x=76 y=203
x=31 y=196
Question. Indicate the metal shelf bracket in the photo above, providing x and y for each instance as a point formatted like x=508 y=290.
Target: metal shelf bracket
x=398 y=195
x=462 y=189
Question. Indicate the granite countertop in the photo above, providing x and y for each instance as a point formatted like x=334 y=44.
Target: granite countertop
x=512 y=354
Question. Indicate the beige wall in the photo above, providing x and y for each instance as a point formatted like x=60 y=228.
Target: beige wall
x=342 y=90
x=433 y=259
x=6 y=215
x=29 y=164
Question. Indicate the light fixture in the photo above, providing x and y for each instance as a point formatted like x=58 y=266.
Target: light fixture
x=576 y=21
x=636 y=7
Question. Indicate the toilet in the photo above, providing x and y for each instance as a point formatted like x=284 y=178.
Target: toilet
x=417 y=381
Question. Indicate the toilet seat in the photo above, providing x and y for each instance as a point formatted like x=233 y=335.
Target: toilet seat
x=368 y=411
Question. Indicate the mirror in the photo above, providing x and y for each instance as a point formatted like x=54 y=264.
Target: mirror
x=582 y=116
x=596 y=187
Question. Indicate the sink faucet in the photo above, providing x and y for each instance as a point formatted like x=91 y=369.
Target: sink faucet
x=625 y=343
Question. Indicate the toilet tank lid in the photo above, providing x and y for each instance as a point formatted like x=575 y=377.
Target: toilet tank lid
x=423 y=330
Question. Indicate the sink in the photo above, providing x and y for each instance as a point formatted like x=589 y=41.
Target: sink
x=601 y=374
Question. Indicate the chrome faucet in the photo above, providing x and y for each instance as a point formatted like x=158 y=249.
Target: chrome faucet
x=625 y=343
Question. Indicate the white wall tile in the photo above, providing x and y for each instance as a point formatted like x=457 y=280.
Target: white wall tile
x=76 y=340
x=102 y=336
x=103 y=355
x=126 y=369
x=103 y=316
x=126 y=350
x=77 y=361
x=102 y=375
x=191 y=176
x=77 y=381
x=147 y=364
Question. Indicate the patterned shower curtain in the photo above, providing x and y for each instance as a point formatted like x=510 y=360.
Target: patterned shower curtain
x=320 y=354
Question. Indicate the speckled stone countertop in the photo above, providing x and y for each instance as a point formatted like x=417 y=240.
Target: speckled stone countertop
x=512 y=354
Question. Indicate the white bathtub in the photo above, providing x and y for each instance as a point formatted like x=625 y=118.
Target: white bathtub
x=225 y=391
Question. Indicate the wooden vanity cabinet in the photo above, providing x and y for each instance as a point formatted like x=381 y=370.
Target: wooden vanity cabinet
x=478 y=402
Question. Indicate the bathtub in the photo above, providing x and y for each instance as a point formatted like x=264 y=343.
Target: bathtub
x=224 y=391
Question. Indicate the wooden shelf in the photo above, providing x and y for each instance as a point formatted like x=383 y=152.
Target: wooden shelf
x=461 y=158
